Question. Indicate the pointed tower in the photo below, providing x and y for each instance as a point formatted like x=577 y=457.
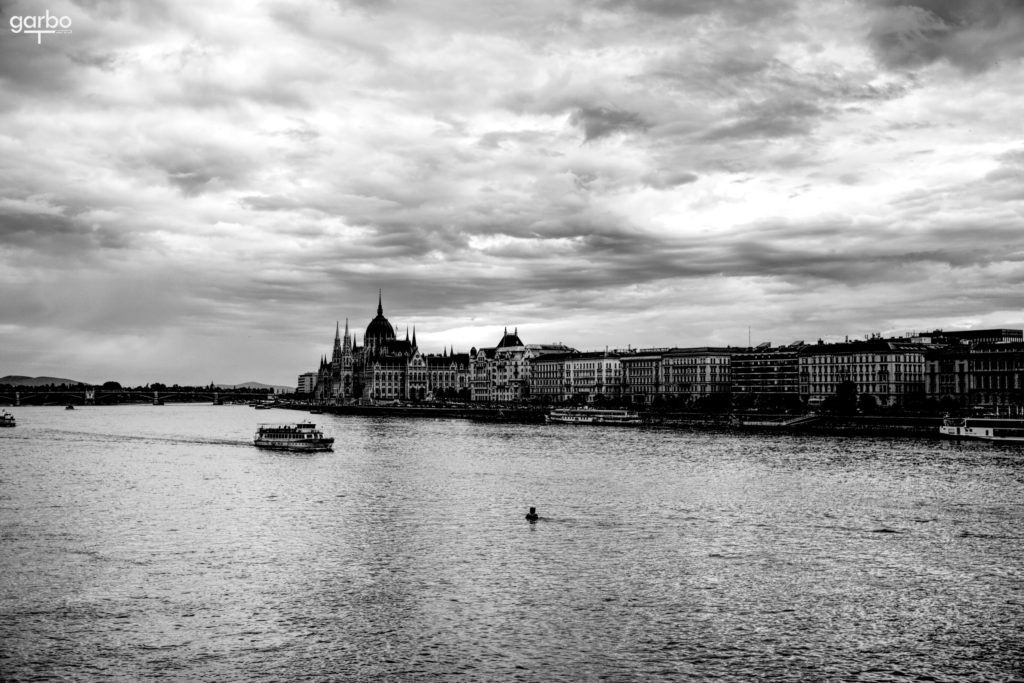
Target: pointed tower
x=346 y=366
x=336 y=355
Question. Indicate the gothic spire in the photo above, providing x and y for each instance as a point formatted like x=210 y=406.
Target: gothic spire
x=380 y=307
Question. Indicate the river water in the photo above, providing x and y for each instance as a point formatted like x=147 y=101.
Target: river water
x=154 y=542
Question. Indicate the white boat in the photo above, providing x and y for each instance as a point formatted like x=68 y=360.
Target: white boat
x=303 y=436
x=7 y=420
x=986 y=428
x=596 y=416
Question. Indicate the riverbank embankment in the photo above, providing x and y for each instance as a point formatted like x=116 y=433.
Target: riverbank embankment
x=825 y=425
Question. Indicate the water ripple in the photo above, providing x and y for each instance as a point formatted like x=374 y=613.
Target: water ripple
x=158 y=544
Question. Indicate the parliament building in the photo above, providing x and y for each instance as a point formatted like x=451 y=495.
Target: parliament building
x=386 y=368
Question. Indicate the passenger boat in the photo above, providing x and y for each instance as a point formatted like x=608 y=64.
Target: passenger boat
x=303 y=436
x=986 y=428
x=596 y=416
x=7 y=420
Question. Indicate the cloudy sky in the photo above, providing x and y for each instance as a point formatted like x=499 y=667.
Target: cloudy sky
x=195 y=192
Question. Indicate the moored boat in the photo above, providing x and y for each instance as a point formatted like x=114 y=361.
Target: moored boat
x=597 y=416
x=985 y=428
x=303 y=436
x=7 y=420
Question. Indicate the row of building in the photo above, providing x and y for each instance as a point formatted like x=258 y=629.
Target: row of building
x=976 y=368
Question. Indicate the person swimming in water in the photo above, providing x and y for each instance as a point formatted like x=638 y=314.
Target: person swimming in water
x=532 y=515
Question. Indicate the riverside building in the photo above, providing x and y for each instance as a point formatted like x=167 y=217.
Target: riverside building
x=981 y=369
x=696 y=374
x=988 y=376
x=764 y=377
x=386 y=368
x=642 y=375
x=891 y=372
x=503 y=374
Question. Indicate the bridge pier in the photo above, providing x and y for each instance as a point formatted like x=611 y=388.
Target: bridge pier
x=17 y=398
x=90 y=397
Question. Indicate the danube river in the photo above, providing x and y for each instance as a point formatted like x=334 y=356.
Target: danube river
x=146 y=542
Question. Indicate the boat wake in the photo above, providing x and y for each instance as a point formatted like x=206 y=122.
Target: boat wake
x=146 y=438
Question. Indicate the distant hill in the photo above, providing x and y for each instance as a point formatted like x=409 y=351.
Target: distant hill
x=23 y=381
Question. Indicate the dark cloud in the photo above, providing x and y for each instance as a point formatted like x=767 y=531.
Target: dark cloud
x=45 y=72
x=599 y=122
x=738 y=10
x=773 y=119
x=973 y=35
x=1006 y=182
x=56 y=236
x=195 y=167
x=270 y=203
x=667 y=179
x=236 y=167
x=498 y=139
x=146 y=13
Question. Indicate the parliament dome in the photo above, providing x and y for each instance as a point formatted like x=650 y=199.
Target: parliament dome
x=379 y=330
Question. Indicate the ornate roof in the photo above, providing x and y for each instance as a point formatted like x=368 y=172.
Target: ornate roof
x=379 y=330
x=510 y=339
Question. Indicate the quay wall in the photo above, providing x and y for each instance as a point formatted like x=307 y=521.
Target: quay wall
x=825 y=425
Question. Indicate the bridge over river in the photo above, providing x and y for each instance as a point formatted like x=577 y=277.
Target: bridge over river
x=48 y=396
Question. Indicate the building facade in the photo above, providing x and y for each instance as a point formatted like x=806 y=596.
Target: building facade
x=386 y=368
x=697 y=373
x=642 y=378
x=891 y=372
x=592 y=376
x=764 y=377
x=987 y=377
x=306 y=383
x=503 y=374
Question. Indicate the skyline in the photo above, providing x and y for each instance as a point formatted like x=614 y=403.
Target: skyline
x=192 y=194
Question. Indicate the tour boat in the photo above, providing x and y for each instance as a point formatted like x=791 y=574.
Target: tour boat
x=303 y=436
x=986 y=428
x=7 y=420
x=596 y=416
